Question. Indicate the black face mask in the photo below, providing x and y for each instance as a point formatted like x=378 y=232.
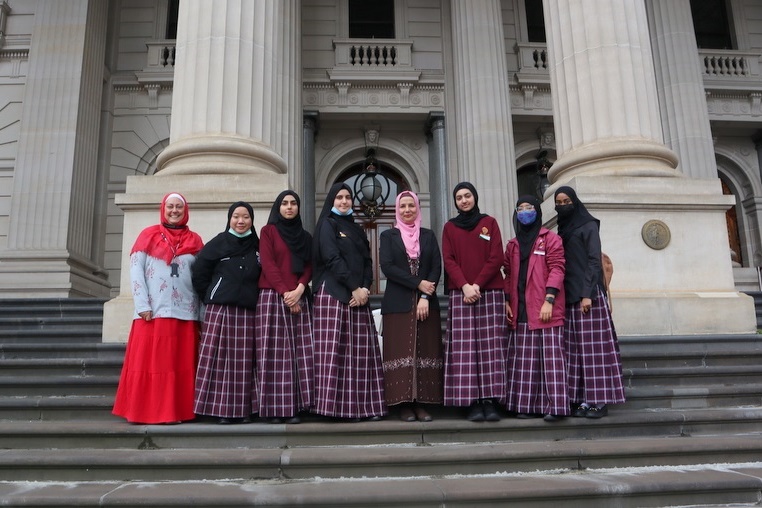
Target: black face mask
x=565 y=210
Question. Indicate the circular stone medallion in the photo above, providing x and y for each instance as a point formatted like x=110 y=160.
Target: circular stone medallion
x=656 y=234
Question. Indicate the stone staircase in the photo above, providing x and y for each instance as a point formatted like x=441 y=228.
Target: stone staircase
x=690 y=434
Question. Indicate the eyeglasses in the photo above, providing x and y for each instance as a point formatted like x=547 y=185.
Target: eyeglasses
x=524 y=207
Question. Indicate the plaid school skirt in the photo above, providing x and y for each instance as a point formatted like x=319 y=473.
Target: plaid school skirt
x=475 y=349
x=226 y=385
x=349 y=380
x=537 y=377
x=285 y=356
x=595 y=367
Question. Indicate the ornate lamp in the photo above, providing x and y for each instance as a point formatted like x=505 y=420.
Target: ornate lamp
x=371 y=187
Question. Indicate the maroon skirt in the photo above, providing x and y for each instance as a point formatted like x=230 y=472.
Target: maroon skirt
x=349 y=381
x=226 y=384
x=595 y=367
x=412 y=357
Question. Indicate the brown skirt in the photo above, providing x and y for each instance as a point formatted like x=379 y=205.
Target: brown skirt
x=412 y=358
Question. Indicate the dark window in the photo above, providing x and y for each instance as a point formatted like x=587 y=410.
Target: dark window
x=710 y=22
x=371 y=20
x=172 y=19
x=535 y=21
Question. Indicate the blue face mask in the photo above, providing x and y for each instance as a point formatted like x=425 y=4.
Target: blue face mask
x=337 y=212
x=526 y=217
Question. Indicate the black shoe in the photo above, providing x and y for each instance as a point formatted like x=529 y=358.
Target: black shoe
x=294 y=420
x=552 y=418
x=476 y=413
x=597 y=412
x=528 y=416
x=225 y=421
x=375 y=418
x=275 y=420
x=407 y=414
x=580 y=410
x=490 y=411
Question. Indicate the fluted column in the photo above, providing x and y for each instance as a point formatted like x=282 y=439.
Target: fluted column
x=50 y=233
x=684 y=115
x=605 y=105
x=310 y=127
x=482 y=119
x=235 y=88
x=440 y=195
x=660 y=228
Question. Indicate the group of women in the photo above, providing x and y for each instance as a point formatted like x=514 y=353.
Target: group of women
x=538 y=341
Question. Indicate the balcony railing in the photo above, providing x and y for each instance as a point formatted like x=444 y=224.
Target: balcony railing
x=373 y=53
x=161 y=56
x=729 y=63
x=373 y=60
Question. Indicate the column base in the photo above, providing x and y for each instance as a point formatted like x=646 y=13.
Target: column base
x=678 y=278
x=209 y=197
x=683 y=313
x=50 y=274
x=219 y=154
x=117 y=318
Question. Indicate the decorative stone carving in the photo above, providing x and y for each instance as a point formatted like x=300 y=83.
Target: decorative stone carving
x=656 y=234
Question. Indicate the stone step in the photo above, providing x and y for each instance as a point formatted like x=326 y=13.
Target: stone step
x=52 y=367
x=50 y=306
x=25 y=350
x=67 y=408
x=57 y=386
x=358 y=462
x=693 y=376
x=630 y=487
x=710 y=396
x=447 y=428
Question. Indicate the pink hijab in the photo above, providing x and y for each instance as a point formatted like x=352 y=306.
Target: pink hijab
x=411 y=233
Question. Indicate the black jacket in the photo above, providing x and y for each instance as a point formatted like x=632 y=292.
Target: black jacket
x=339 y=263
x=400 y=284
x=584 y=271
x=232 y=280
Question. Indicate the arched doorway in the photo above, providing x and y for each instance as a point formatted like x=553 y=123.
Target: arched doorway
x=734 y=237
x=375 y=224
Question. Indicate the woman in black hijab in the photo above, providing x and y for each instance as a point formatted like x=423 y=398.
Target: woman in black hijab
x=475 y=345
x=226 y=275
x=595 y=367
x=348 y=370
x=285 y=356
x=534 y=283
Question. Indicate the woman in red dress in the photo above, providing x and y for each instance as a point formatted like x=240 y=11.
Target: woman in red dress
x=159 y=371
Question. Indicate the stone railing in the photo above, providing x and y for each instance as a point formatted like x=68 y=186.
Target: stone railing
x=716 y=63
x=373 y=54
x=533 y=57
x=161 y=56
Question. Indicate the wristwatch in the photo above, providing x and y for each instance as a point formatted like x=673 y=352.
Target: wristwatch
x=424 y=296
x=550 y=299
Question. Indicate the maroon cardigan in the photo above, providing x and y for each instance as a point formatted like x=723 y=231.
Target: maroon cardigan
x=546 y=269
x=473 y=257
x=275 y=259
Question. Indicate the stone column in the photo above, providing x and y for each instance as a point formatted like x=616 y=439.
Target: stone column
x=438 y=188
x=236 y=130
x=310 y=128
x=482 y=119
x=50 y=231
x=665 y=233
x=605 y=106
x=682 y=100
x=233 y=80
